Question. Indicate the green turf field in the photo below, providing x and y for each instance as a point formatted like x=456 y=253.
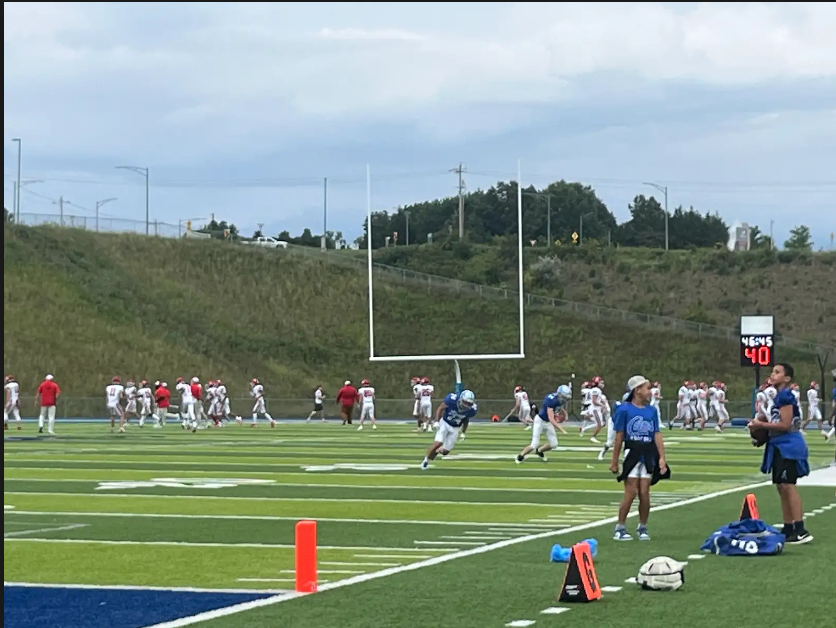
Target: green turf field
x=217 y=510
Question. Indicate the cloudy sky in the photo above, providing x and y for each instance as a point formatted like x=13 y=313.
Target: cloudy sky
x=241 y=109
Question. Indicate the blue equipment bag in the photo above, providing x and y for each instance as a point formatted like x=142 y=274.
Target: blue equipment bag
x=749 y=537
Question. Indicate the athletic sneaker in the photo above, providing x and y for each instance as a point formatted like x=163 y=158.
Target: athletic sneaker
x=799 y=538
x=541 y=455
x=621 y=535
x=425 y=465
x=642 y=534
x=519 y=459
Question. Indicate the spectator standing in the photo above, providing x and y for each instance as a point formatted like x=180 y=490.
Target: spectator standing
x=47 y=398
x=347 y=399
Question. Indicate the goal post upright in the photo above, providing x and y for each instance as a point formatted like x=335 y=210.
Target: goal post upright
x=455 y=358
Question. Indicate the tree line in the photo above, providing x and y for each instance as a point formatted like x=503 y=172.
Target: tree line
x=563 y=213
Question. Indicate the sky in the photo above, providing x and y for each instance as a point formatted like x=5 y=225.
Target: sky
x=241 y=110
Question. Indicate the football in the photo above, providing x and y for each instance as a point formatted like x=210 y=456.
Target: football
x=759 y=434
x=661 y=574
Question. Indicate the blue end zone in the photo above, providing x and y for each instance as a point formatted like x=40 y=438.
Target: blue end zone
x=43 y=607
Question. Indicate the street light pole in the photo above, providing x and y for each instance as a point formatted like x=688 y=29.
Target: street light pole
x=549 y=220
x=16 y=208
x=664 y=190
x=406 y=213
x=145 y=172
x=98 y=205
x=325 y=214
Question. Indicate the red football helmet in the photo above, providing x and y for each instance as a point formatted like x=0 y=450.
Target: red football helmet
x=814 y=385
x=365 y=382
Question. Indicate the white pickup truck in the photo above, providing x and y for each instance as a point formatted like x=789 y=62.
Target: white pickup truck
x=267 y=242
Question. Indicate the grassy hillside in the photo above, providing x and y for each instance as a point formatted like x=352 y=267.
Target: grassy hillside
x=85 y=306
x=703 y=286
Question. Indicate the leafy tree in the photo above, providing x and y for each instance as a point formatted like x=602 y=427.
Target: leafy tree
x=7 y=216
x=646 y=226
x=220 y=230
x=257 y=234
x=758 y=240
x=690 y=229
x=800 y=239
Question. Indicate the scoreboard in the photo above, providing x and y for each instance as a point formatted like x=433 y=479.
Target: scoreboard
x=757 y=341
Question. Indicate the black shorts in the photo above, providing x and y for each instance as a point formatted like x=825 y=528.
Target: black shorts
x=784 y=470
x=317 y=407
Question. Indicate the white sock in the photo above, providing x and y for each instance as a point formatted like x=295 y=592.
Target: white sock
x=255 y=418
x=51 y=424
x=269 y=418
x=41 y=422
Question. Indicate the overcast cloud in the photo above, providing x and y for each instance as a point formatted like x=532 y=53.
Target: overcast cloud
x=242 y=109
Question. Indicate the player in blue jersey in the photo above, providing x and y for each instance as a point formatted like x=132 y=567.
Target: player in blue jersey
x=785 y=454
x=546 y=421
x=453 y=414
x=636 y=425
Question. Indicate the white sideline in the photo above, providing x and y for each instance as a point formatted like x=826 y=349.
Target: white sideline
x=437 y=560
x=127 y=587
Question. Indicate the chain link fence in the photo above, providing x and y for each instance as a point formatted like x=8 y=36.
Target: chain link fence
x=400 y=409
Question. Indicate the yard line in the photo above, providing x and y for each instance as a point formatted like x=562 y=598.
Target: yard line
x=71 y=526
x=193 y=544
x=395 y=487
x=335 y=500
x=450 y=543
x=267 y=580
x=127 y=587
x=492 y=537
x=343 y=571
x=264 y=518
x=339 y=564
x=437 y=560
x=389 y=556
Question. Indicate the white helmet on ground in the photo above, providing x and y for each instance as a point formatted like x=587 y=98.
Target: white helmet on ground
x=661 y=574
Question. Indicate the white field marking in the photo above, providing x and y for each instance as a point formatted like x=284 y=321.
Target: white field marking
x=473 y=538
x=555 y=610
x=267 y=580
x=396 y=487
x=819 y=511
x=335 y=500
x=611 y=589
x=71 y=526
x=330 y=563
x=268 y=518
x=496 y=535
x=520 y=623
x=127 y=587
x=520 y=530
x=354 y=476
x=8 y=507
x=556 y=524
x=807 y=515
x=630 y=581
x=192 y=544
x=390 y=556
x=450 y=544
x=437 y=560
x=328 y=571
x=696 y=556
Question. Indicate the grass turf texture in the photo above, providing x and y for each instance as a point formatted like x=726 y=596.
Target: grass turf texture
x=85 y=306
x=66 y=528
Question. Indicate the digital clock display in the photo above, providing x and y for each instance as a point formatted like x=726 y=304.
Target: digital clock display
x=757 y=350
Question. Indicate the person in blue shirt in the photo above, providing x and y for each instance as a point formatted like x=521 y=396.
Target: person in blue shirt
x=546 y=421
x=636 y=425
x=453 y=413
x=785 y=454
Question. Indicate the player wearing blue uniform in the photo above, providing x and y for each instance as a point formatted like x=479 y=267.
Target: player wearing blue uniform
x=785 y=454
x=546 y=421
x=636 y=425
x=453 y=414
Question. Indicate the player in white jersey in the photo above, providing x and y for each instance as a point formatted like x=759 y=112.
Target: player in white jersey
x=761 y=404
x=701 y=397
x=813 y=409
x=318 y=404
x=144 y=396
x=416 y=406
x=426 y=393
x=586 y=401
x=721 y=410
x=522 y=408
x=595 y=414
x=611 y=428
x=683 y=412
x=796 y=392
x=114 y=394
x=771 y=392
x=655 y=395
x=215 y=411
x=367 y=398
x=12 y=404
x=259 y=403
x=187 y=414
x=130 y=400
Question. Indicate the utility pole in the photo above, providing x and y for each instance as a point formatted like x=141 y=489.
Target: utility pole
x=61 y=209
x=406 y=213
x=145 y=172
x=549 y=220
x=460 y=170
x=664 y=190
x=325 y=214
x=16 y=208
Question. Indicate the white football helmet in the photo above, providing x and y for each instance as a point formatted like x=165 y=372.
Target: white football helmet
x=661 y=574
x=466 y=400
